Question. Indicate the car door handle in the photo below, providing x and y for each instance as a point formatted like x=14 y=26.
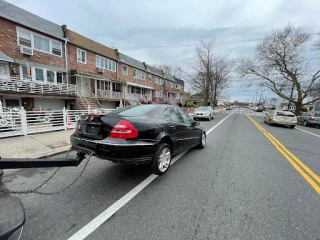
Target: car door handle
x=172 y=127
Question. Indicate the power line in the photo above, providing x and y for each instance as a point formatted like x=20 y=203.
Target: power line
x=195 y=44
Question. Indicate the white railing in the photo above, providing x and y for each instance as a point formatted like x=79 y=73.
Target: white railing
x=21 y=122
x=26 y=86
x=109 y=94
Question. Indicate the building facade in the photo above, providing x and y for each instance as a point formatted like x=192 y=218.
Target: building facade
x=33 y=69
x=45 y=66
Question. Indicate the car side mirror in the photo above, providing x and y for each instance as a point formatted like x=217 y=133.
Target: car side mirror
x=193 y=124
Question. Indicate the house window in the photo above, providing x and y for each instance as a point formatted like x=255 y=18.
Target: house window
x=81 y=56
x=41 y=44
x=24 y=38
x=26 y=72
x=178 y=86
x=50 y=76
x=125 y=70
x=59 y=77
x=103 y=85
x=106 y=63
x=158 y=80
x=56 y=48
x=38 y=42
x=171 y=85
x=150 y=77
x=39 y=74
x=139 y=74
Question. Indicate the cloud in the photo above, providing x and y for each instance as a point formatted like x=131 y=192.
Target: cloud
x=142 y=23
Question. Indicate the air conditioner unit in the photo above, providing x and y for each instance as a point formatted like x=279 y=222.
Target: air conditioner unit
x=100 y=70
x=26 y=51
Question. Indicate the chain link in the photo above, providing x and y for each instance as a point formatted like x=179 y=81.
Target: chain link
x=36 y=190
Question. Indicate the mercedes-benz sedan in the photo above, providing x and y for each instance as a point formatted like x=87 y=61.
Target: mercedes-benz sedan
x=142 y=134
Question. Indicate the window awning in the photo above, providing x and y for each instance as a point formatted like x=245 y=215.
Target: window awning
x=5 y=58
x=139 y=85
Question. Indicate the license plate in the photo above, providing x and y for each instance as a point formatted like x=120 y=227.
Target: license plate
x=92 y=129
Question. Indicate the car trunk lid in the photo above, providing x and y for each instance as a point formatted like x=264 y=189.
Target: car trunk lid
x=96 y=126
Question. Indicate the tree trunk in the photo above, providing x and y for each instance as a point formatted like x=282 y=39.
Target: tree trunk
x=299 y=106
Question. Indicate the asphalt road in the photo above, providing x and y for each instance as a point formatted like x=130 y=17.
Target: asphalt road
x=239 y=187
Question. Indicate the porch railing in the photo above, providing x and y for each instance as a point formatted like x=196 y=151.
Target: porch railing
x=20 y=122
x=26 y=86
x=109 y=94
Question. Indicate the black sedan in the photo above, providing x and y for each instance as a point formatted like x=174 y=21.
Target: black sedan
x=143 y=134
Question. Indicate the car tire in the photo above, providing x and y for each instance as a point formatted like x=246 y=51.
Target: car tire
x=305 y=123
x=292 y=126
x=161 y=160
x=203 y=140
x=270 y=124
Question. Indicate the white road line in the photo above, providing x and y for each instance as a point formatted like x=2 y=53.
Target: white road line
x=308 y=132
x=106 y=214
x=211 y=129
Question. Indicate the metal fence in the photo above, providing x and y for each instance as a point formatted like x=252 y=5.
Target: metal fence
x=16 y=122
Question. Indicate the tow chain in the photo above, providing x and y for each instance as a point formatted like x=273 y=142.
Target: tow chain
x=36 y=190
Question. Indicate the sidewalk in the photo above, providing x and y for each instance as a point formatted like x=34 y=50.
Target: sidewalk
x=35 y=145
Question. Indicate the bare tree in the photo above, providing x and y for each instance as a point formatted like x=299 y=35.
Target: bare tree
x=171 y=69
x=210 y=72
x=280 y=65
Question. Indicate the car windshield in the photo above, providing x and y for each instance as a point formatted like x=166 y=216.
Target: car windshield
x=203 y=109
x=134 y=111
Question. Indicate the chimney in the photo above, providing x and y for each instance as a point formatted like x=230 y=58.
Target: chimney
x=117 y=52
x=65 y=31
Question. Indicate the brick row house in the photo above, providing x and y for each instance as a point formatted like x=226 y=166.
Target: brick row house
x=46 y=66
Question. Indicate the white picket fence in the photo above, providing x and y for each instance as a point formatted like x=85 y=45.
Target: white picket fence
x=15 y=122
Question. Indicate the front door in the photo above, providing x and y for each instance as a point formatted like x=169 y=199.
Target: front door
x=4 y=70
x=84 y=87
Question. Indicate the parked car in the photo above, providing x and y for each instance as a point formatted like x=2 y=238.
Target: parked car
x=203 y=113
x=229 y=108
x=309 y=119
x=280 y=117
x=142 y=134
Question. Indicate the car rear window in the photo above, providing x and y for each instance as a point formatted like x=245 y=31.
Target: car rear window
x=284 y=114
x=138 y=110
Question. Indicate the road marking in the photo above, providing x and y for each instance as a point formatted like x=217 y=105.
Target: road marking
x=211 y=129
x=106 y=214
x=308 y=132
x=295 y=162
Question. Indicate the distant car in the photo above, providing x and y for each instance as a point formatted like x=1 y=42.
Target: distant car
x=229 y=108
x=280 y=117
x=203 y=113
x=309 y=119
x=142 y=134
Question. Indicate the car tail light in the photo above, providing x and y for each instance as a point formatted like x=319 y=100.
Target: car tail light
x=313 y=116
x=76 y=128
x=123 y=129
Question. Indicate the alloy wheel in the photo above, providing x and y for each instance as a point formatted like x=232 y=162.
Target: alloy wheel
x=203 y=140
x=164 y=159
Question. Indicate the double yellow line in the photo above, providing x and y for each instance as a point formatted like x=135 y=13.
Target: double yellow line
x=312 y=178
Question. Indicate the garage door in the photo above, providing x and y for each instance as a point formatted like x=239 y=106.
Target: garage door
x=45 y=104
x=108 y=105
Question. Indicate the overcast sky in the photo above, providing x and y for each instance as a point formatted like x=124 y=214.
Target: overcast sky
x=146 y=24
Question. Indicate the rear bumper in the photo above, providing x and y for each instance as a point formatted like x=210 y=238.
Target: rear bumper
x=119 y=150
x=314 y=123
x=284 y=122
